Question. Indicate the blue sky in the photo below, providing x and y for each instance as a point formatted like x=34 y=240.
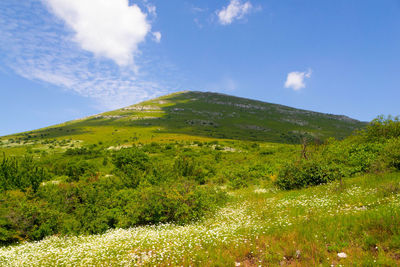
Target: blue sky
x=65 y=59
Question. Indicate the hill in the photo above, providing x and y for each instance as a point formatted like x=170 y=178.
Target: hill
x=196 y=115
x=156 y=184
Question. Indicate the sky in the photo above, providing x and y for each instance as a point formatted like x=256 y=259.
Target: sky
x=65 y=59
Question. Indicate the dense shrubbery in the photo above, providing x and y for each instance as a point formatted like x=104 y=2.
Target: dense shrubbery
x=76 y=169
x=87 y=190
x=21 y=173
x=375 y=148
x=131 y=157
x=180 y=203
x=140 y=191
x=382 y=128
x=391 y=153
x=245 y=176
x=188 y=167
x=132 y=165
x=306 y=173
x=87 y=152
x=90 y=208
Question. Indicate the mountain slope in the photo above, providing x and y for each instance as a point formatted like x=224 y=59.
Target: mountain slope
x=200 y=115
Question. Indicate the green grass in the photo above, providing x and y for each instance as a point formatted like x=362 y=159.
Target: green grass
x=189 y=115
x=239 y=145
x=260 y=226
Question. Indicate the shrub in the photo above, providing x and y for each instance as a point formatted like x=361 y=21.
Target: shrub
x=188 y=167
x=179 y=203
x=239 y=180
x=75 y=169
x=21 y=173
x=25 y=218
x=131 y=156
x=130 y=175
x=253 y=174
x=359 y=157
x=382 y=128
x=353 y=156
x=391 y=154
x=306 y=173
x=132 y=165
x=87 y=152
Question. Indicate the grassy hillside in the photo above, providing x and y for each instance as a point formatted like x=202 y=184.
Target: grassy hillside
x=195 y=115
x=202 y=179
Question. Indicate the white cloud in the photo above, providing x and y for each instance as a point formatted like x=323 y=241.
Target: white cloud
x=235 y=10
x=38 y=47
x=108 y=28
x=295 y=79
x=157 y=36
x=151 y=9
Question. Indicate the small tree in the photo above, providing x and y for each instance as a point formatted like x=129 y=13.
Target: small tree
x=304 y=148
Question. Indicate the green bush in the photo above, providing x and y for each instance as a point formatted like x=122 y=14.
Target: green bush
x=131 y=175
x=25 y=218
x=188 y=167
x=391 y=154
x=76 y=169
x=306 y=173
x=132 y=165
x=382 y=128
x=352 y=155
x=238 y=180
x=131 y=156
x=21 y=173
x=87 y=152
x=178 y=203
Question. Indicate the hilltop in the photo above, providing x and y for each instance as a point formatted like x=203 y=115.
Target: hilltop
x=199 y=115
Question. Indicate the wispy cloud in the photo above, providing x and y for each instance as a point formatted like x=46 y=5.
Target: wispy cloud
x=295 y=79
x=225 y=84
x=157 y=36
x=234 y=11
x=38 y=46
x=200 y=14
x=196 y=9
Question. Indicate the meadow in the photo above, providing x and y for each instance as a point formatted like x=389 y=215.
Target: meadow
x=106 y=191
x=259 y=227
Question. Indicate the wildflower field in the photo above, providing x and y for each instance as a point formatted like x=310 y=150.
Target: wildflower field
x=309 y=227
x=106 y=191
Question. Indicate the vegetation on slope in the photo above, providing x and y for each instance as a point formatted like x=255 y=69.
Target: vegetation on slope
x=195 y=115
x=259 y=226
x=124 y=192
x=374 y=149
x=75 y=197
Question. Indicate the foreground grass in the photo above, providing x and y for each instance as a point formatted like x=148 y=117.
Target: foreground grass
x=260 y=226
